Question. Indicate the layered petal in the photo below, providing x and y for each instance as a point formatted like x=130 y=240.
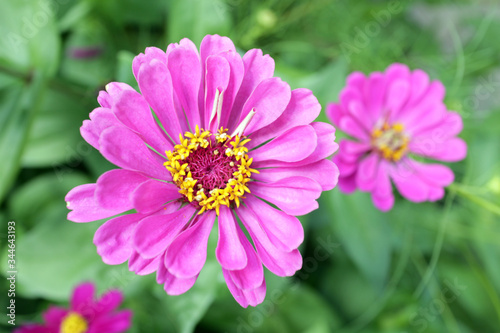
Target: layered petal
x=153 y=195
x=114 y=188
x=187 y=254
x=229 y=252
x=268 y=100
x=245 y=297
x=125 y=149
x=113 y=239
x=84 y=206
x=293 y=195
x=155 y=233
x=82 y=297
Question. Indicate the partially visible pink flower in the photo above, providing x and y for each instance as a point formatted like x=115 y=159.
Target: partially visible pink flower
x=212 y=135
x=396 y=119
x=85 y=314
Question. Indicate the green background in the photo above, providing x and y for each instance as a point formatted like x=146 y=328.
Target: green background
x=431 y=267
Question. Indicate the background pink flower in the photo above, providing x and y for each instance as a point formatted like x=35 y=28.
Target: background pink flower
x=192 y=161
x=391 y=117
x=85 y=314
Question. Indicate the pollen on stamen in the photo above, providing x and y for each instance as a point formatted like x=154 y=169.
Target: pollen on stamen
x=390 y=141
x=197 y=164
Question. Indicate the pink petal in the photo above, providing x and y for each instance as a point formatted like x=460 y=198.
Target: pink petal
x=125 y=149
x=112 y=323
x=279 y=262
x=325 y=172
x=357 y=80
x=419 y=85
x=185 y=43
x=450 y=126
x=152 y=195
x=104 y=99
x=345 y=168
x=436 y=174
x=100 y=119
x=54 y=316
x=143 y=266
x=268 y=101
x=257 y=68
x=229 y=252
x=185 y=68
x=252 y=276
x=382 y=196
x=430 y=117
x=293 y=195
x=367 y=172
x=335 y=113
x=383 y=185
x=134 y=112
x=187 y=254
x=150 y=54
x=384 y=204
x=352 y=127
x=155 y=233
x=284 y=231
x=155 y=83
x=291 y=146
x=347 y=184
x=82 y=297
x=374 y=95
x=353 y=105
x=398 y=92
x=433 y=96
x=85 y=208
x=325 y=147
x=451 y=150
x=113 y=238
x=172 y=284
x=115 y=186
x=354 y=148
x=108 y=302
x=245 y=297
x=216 y=78
x=302 y=109
x=213 y=45
x=408 y=183
x=237 y=73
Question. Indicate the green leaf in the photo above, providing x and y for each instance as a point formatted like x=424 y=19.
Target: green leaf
x=29 y=35
x=363 y=231
x=55 y=136
x=17 y=110
x=196 y=18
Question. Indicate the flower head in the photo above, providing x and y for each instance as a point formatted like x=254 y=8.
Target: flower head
x=394 y=119
x=85 y=315
x=210 y=137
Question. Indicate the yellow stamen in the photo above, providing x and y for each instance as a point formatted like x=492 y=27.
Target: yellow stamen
x=390 y=141
x=73 y=323
x=181 y=172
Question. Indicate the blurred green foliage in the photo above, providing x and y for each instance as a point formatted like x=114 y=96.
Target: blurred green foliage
x=419 y=268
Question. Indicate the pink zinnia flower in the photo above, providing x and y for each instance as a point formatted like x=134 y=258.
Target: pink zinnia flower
x=224 y=136
x=85 y=315
x=393 y=116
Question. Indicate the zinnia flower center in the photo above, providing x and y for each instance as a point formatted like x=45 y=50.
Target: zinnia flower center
x=390 y=141
x=74 y=323
x=210 y=170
